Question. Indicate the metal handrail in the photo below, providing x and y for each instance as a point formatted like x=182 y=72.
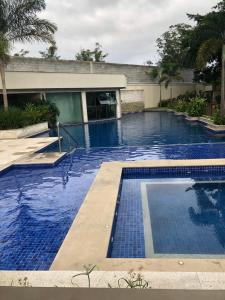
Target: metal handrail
x=59 y=137
x=59 y=125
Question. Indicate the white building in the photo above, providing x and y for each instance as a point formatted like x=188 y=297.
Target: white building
x=86 y=91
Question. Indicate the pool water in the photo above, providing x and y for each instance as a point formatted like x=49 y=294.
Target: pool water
x=150 y=128
x=170 y=212
x=39 y=204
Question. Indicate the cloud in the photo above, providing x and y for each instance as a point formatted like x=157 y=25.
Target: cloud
x=126 y=29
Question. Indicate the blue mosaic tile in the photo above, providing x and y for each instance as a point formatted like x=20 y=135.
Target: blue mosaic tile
x=39 y=204
x=171 y=216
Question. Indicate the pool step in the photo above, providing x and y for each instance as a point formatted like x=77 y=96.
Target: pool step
x=49 y=159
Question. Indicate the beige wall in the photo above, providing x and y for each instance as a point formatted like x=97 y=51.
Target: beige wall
x=151 y=92
x=130 y=96
x=147 y=93
x=38 y=80
x=134 y=73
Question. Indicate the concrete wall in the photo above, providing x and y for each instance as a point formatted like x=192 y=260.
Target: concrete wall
x=152 y=93
x=132 y=107
x=132 y=95
x=139 y=90
x=134 y=73
x=149 y=94
x=45 y=81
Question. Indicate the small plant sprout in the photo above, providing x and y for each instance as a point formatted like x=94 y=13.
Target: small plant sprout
x=133 y=281
x=87 y=272
x=22 y=282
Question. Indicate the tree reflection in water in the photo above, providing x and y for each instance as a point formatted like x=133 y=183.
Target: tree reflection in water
x=211 y=204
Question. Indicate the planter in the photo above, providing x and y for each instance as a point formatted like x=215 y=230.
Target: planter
x=23 y=132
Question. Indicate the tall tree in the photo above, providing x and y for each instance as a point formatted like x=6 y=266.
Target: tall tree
x=96 y=55
x=208 y=46
x=201 y=47
x=173 y=46
x=19 y=23
x=84 y=55
x=99 y=55
x=50 y=53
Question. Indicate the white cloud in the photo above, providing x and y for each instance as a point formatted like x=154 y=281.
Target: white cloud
x=126 y=29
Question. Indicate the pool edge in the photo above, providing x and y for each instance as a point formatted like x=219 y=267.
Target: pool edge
x=88 y=239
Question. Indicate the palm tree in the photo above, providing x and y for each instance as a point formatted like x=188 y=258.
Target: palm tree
x=165 y=73
x=157 y=74
x=19 y=23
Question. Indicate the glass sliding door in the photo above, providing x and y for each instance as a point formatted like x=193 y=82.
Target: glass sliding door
x=69 y=105
x=101 y=105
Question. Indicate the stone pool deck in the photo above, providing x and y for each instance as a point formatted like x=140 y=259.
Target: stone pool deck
x=22 y=152
x=101 y=279
x=88 y=239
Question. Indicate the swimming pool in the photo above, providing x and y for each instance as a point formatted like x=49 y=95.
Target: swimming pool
x=39 y=204
x=149 y=128
x=170 y=212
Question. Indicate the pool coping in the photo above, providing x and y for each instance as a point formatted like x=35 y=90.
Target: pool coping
x=101 y=279
x=88 y=239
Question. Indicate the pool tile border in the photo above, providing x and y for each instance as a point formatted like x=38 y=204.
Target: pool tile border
x=88 y=239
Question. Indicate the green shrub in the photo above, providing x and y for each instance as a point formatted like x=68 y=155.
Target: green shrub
x=12 y=119
x=196 y=107
x=164 y=103
x=36 y=114
x=181 y=106
x=44 y=111
x=187 y=96
x=33 y=113
x=53 y=113
x=217 y=118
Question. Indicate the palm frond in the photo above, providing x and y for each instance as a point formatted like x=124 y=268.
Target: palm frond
x=163 y=78
x=206 y=52
x=19 y=21
x=34 y=29
x=178 y=77
x=167 y=82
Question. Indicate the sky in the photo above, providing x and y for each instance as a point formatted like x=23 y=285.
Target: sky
x=127 y=29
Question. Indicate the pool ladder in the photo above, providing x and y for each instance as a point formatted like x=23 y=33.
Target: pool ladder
x=69 y=136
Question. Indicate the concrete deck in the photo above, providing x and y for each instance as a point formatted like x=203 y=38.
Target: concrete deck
x=20 y=151
x=88 y=239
